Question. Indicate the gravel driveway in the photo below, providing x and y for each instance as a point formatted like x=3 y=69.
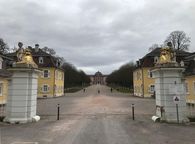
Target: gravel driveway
x=96 y=118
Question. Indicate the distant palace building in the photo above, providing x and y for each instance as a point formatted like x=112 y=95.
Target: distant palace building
x=98 y=78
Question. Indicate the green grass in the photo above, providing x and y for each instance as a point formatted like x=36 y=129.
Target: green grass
x=73 y=89
x=122 y=89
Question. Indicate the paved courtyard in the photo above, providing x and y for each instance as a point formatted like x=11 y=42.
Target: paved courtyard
x=92 y=118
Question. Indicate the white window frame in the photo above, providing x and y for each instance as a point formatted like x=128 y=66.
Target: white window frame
x=1 y=89
x=186 y=88
x=151 y=88
x=44 y=74
x=41 y=60
x=150 y=74
x=45 y=86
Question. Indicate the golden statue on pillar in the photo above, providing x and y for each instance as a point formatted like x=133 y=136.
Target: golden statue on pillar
x=167 y=55
x=25 y=57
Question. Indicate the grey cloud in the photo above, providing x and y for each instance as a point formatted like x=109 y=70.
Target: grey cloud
x=95 y=34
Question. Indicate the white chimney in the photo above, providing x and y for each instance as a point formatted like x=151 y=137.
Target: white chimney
x=36 y=47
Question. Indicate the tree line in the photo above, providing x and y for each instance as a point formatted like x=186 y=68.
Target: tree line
x=123 y=76
x=73 y=77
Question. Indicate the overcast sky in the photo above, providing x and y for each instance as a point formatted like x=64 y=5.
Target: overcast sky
x=96 y=34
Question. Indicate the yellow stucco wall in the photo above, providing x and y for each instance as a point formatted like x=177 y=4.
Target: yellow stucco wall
x=59 y=82
x=190 y=94
x=137 y=82
x=55 y=82
x=46 y=81
x=142 y=82
x=3 y=96
x=148 y=81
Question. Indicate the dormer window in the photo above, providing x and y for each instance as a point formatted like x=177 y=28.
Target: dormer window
x=155 y=59
x=41 y=60
x=58 y=64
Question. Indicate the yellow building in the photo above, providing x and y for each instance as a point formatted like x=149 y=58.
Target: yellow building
x=190 y=89
x=190 y=79
x=51 y=82
x=143 y=80
x=4 y=76
x=51 y=79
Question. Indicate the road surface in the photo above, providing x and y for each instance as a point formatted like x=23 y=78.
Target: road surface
x=96 y=118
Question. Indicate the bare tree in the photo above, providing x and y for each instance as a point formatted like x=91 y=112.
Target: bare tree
x=154 y=46
x=179 y=40
x=3 y=47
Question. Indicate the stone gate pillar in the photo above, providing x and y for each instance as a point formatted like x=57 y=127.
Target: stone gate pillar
x=22 y=95
x=22 y=89
x=169 y=83
x=169 y=87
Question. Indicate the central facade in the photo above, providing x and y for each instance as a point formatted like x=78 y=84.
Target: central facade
x=98 y=78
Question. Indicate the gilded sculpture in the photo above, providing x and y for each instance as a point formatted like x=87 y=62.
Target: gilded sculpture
x=167 y=55
x=25 y=57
